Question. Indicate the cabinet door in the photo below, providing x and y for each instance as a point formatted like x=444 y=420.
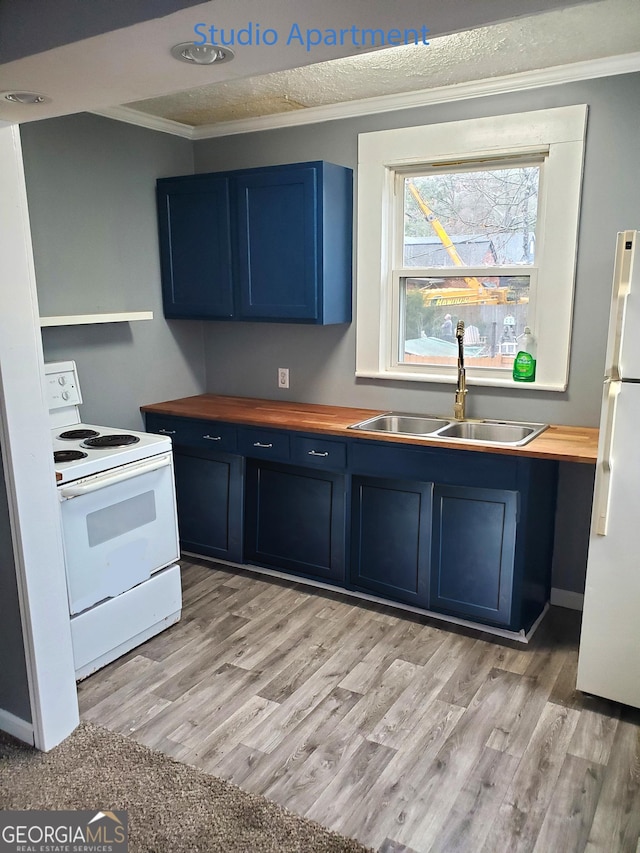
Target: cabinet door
x=472 y=563
x=195 y=248
x=391 y=533
x=295 y=519
x=277 y=217
x=209 y=496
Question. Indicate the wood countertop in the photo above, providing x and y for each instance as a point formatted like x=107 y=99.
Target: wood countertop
x=562 y=443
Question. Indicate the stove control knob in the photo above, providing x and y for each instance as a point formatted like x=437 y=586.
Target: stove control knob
x=65 y=395
x=62 y=380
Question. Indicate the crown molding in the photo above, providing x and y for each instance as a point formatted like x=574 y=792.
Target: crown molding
x=555 y=76
x=163 y=125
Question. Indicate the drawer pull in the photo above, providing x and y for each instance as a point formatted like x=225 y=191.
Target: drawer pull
x=260 y=444
x=316 y=453
x=167 y=431
x=213 y=437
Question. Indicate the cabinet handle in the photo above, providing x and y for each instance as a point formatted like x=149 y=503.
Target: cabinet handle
x=316 y=453
x=260 y=444
x=213 y=437
x=167 y=431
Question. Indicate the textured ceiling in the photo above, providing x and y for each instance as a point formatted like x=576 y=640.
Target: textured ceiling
x=133 y=63
x=595 y=30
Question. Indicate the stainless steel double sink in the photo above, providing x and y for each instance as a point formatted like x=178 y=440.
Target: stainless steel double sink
x=505 y=433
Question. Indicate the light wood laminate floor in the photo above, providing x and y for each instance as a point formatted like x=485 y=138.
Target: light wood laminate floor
x=386 y=727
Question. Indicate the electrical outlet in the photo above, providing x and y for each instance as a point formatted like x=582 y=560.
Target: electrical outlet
x=283 y=377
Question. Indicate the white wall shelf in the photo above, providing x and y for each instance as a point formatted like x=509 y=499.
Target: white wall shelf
x=85 y=319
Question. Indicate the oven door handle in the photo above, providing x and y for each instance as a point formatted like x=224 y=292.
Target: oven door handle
x=109 y=478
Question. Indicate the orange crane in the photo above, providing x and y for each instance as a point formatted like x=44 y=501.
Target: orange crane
x=476 y=292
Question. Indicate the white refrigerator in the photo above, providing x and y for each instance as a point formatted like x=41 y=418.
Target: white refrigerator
x=609 y=658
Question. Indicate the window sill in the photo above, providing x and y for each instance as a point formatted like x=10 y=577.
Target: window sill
x=493 y=382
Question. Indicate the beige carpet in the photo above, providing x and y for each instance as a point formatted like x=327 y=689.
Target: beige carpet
x=172 y=807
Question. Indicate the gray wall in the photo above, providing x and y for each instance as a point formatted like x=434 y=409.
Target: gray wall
x=243 y=358
x=14 y=687
x=91 y=191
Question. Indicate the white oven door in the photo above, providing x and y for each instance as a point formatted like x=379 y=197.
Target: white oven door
x=118 y=527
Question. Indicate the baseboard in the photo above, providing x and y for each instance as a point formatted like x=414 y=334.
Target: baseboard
x=518 y=636
x=16 y=726
x=567 y=598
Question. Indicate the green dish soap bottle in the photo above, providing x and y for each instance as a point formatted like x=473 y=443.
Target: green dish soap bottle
x=524 y=365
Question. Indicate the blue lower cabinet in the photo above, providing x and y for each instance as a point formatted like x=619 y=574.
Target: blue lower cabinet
x=295 y=519
x=468 y=535
x=473 y=553
x=390 y=538
x=209 y=495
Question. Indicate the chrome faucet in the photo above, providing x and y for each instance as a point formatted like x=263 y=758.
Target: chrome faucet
x=461 y=390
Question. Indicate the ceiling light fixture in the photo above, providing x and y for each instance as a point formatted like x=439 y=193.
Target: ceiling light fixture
x=201 y=54
x=25 y=98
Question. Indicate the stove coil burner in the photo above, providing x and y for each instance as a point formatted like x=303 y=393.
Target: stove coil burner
x=68 y=455
x=78 y=434
x=108 y=441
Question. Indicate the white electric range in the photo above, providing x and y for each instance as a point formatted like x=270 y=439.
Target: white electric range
x=119 y=528
x=83 y=450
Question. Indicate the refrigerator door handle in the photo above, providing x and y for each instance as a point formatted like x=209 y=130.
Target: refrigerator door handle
x=622 y=274
x=612 y=390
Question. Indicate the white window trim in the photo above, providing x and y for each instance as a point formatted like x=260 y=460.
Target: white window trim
x=381 y=154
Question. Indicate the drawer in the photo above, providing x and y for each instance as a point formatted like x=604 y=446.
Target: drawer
x=263 y=443
x=433 y=464
x=213 y=435
x=321 y=452
x=176 y=428
x=185 y=432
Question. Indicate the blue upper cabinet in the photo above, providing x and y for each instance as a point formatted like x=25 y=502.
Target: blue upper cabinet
x=279 y=240
x=277 y=247
x=195 y=247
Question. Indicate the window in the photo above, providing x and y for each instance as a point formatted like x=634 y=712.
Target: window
x=473 y=221
x=466 y=249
